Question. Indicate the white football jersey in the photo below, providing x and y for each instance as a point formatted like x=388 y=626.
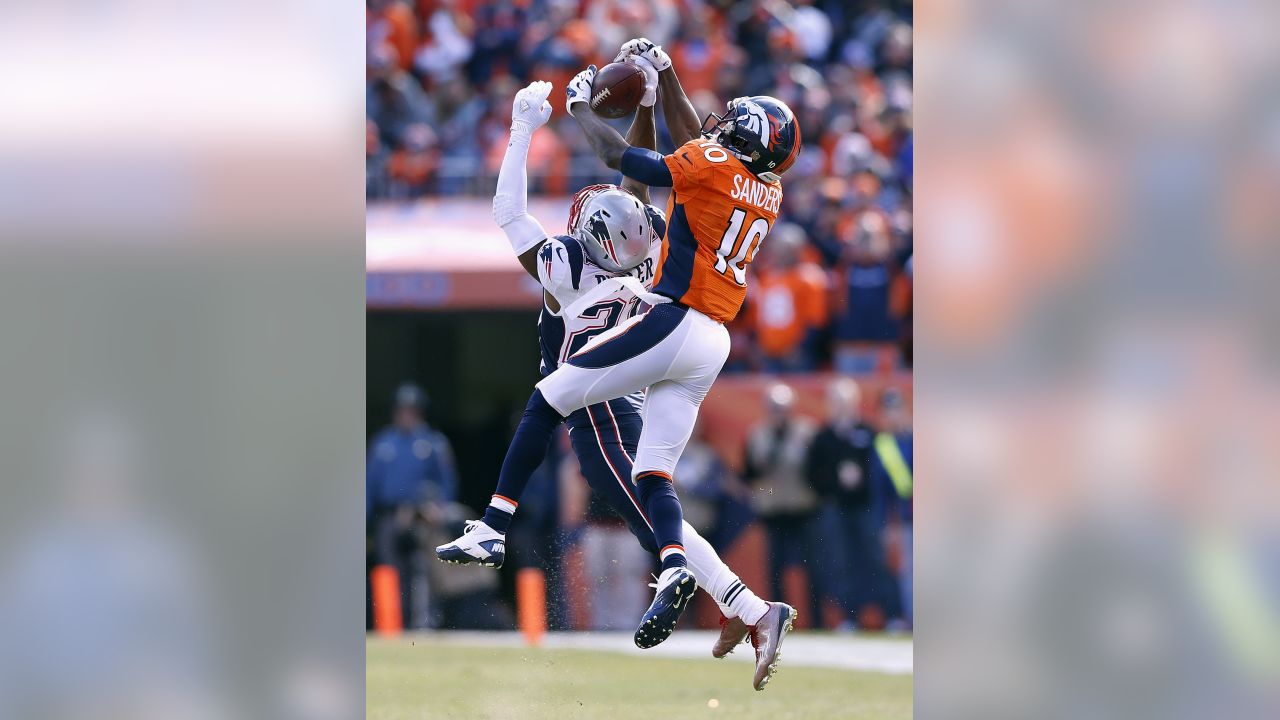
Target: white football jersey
x=568 y=275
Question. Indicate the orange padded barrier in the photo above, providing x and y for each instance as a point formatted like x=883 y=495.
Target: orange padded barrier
x=531 y=604
x=387 y=615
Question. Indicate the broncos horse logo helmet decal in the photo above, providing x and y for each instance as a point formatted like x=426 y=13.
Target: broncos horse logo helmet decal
x=775 y=131
x=754 y=118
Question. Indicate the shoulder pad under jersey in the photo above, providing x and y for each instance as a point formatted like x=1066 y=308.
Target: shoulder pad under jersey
x=560 y=267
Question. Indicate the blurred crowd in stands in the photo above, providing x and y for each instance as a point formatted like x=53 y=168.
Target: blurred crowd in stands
x=833 y=497
x=832 y=289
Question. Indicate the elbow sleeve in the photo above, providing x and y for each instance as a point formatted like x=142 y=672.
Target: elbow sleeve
x=524 y=232
x=510 y=205
x=507 y=207
x=646 y=166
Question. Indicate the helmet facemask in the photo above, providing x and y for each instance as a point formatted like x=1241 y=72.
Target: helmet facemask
x=723 y=131
x=748 y=145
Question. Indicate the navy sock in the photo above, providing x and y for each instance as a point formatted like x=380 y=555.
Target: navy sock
x=499 y=518
x=527 y=450
x=663 y=508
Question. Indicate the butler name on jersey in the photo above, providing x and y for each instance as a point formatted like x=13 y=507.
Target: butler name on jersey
x=568 y=272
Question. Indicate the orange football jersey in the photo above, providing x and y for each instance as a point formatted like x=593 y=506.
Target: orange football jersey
x=718 y=214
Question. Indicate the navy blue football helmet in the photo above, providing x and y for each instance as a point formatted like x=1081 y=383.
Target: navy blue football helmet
x=760 y=131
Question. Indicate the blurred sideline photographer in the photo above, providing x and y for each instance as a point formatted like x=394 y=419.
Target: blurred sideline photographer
x=410 y=480
x=774 y=466
x=838 y=467
x=892 y=488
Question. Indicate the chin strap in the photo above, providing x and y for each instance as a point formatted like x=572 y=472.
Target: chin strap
x=608 y=287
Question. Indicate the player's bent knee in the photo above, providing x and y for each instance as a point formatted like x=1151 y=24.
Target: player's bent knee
x=541 y=408
x=650 y=481
x=554 y=395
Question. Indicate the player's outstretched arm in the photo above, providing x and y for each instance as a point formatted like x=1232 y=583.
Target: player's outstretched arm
x=682 y=118
x=529 y=111
x=639 y=164
x=643 y=132
x=605 y=141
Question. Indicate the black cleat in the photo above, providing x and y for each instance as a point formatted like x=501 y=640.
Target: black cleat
x=675 y=589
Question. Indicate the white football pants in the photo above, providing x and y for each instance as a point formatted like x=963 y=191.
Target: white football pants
x=674 y=351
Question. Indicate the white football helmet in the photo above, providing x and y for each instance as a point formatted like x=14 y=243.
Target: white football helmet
x=612 y=226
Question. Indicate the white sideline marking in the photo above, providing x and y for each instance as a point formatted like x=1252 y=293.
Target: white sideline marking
x=845 y=652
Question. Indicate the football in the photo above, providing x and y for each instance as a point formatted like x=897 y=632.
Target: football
x=617 y=89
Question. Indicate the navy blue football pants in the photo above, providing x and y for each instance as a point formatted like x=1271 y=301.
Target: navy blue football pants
x=604 y=438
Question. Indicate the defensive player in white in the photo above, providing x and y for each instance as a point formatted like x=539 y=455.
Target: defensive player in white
x=604 y=244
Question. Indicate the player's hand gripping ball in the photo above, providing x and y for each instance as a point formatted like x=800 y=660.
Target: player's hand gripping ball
x=617 y=89
x=579 y=88
x=645 y=48
x=650 y=79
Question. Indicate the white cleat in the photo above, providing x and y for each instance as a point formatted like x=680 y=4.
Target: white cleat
x=479 y=545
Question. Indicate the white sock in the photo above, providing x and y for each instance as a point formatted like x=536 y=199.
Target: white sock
x=731 y=594
x=505 y=504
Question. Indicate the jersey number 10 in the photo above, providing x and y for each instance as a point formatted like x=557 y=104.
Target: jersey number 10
x=734 y=251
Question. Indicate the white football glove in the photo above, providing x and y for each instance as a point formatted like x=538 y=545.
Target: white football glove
x=530 y=110
x=650 y=79
x=579 y=89
x=645 y=48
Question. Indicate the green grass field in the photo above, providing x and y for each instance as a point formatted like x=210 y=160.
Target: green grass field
x=418 y=678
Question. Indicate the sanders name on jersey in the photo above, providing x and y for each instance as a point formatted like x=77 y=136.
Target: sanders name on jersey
x=765 y=197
